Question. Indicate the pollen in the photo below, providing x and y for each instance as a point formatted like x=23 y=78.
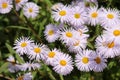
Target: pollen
x=77 y=15
x=30 y=10
x=4 y=5
x=51 y=54
x=98 y=60
x=94 y=15
x=85 y=60
x=63 y=62
x=20 y=78
x=116 y=32
x=23 y=44
x=62 y=13
x=50 y=32
x=111 y=45
x=69 y=34
x=37 y=50
x=110 y=16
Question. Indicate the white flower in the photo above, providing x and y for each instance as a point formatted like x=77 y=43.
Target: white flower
x=38 y=52
x=107 y=48
x=68 y=35
x=56 y=6
x=51 y=33
x=27 y=76
x=78 y=16
x=61 y=14
x=13 y=67
x=51 y=55
x=93 y=15
x=84 y=60
x=29 y=66
x=11 y=59
x=5 y=6
x=20 y=3
x=63 y=64
x=99 y=62
x=109 y=17
x=22 y=45
x=30 y=10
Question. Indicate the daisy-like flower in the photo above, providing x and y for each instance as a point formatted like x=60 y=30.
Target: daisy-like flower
x=29 y=66
x=5 y=6
x=63 y=64
x=99 y=62
x=19 y=3
x=113 y=34
x=93 y=15
x=109 y=17
x=51 y=33
x=27 y=76
x=77 y=16
x=38 y=52
x=30 y=10
x=78 y=46
x=51 y=55
x=61 y=14
x=12 y=66
x=68 y=35
x=84 y=60
x=22 y=45
x=56 y=6
x=107 y=48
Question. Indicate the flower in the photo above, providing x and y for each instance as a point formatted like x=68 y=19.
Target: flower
x=107 y=48
x=5 y=6
x=93 y=16
x=109 y=17
x=61 y=14
x=56 y=6
x=30 y=10
x=99 y=62
x=29 y=66
x=26 y=76
x=20 y=3
x=84 y=60
x=63 y=64
x=23 y=45
x=38 y=51
x=78 y=16
x=51 y=55
x=51 y=33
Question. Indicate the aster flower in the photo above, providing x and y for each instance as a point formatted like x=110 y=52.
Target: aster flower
x=51 y=33
x=63 y=64
x=20 y=3
x=5 y=6
x=26 y=76
x=30 y=10
x=22 y=45
x=84 y=60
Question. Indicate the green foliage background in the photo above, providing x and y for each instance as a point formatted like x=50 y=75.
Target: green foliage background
x=13 y=26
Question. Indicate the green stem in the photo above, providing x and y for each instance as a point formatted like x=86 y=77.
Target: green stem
x=50 y=74
x=61 y=77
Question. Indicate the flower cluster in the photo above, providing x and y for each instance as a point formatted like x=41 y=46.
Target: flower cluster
x=30 y=9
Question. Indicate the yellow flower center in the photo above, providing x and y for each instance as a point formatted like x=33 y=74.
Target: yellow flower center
x=20 y=78
x=51 y=54
x=62 y=13
x=76 y=43
x=4 y=5
x=94 y=14
x=110 y=16
x=116 y=32
x=63 y=62
x=30 y=10
x=98 y=60
x=17 y=1
x=50 y=32
x=23 y=44
x=69 y=34
x=111 y=45
x=37 y=50
x=85 y=60
x=77 y=16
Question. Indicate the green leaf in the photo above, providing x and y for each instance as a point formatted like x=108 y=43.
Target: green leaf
x=4 y=67
x=19 y=59
x=18 y=27
x=11 y=50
